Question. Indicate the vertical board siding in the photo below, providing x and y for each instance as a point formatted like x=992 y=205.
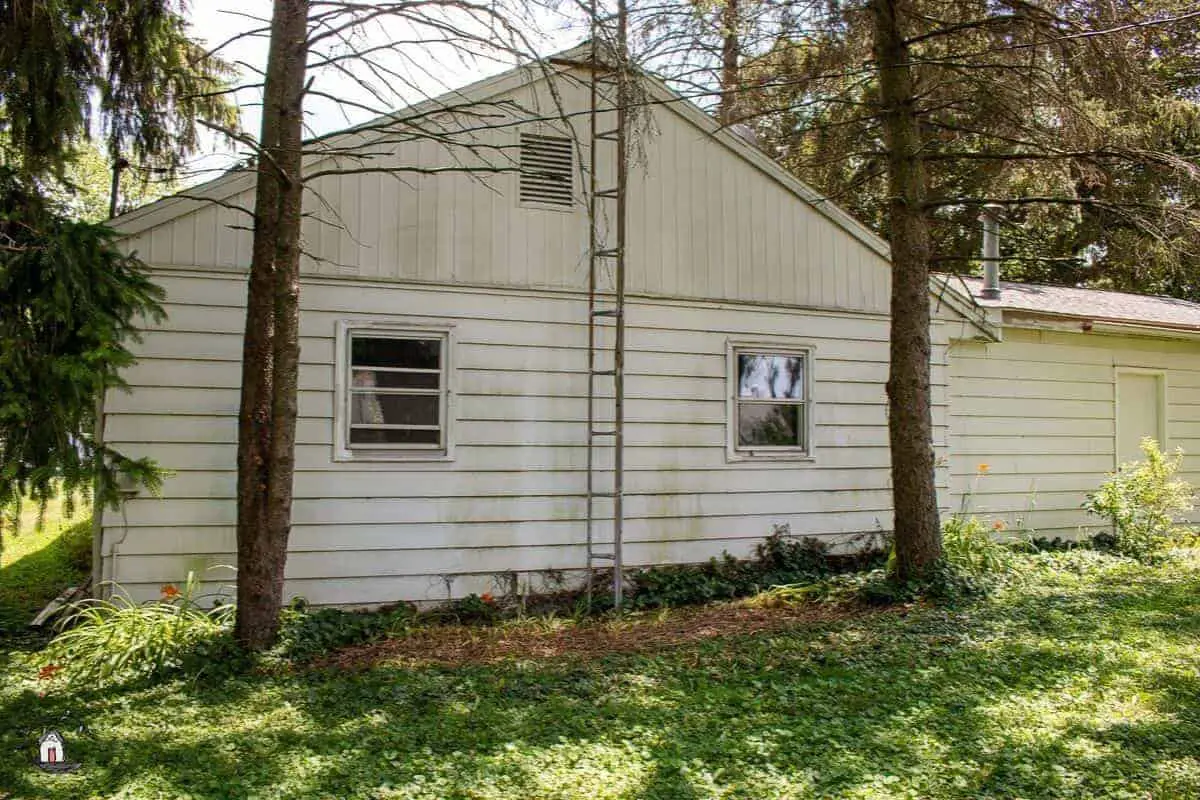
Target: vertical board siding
x=705 y=222
x=1038 y=410
x=511 y=500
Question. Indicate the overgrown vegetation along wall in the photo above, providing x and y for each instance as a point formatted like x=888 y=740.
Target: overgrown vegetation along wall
x=512 y=497
x=1033 y=420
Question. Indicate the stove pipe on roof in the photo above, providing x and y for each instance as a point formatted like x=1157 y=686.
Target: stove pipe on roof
x=991 y=250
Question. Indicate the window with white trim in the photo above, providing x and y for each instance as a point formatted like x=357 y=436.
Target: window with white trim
x=395 y=396
x=770 y=404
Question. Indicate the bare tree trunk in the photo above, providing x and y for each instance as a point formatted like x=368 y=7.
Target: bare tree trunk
x=270 y=356
x=910 y=420
x=730 y=46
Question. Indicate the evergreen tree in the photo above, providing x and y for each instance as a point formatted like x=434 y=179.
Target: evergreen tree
x=124 y=71
x=71 y=71
x=1083 y=117
x=69 y=301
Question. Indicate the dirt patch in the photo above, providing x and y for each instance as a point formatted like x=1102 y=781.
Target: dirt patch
x=543 y=640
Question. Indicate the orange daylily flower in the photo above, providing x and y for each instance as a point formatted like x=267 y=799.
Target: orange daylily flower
x=984 y=468
x=998 y=525
x=487 y=598
x=170 y=591
x=47 y=672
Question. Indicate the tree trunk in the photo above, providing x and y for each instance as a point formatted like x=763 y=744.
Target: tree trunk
x=730 y=47
x=270 y=353
x=910 y=420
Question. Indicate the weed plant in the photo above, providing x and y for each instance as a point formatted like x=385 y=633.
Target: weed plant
x=1142 y=501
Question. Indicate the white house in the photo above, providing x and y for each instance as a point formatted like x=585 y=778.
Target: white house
x=442 y=432
x=1056 y=389
x=442 y=439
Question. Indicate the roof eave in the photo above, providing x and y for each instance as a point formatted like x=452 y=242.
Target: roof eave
x=1101 y=324
x=953 y=293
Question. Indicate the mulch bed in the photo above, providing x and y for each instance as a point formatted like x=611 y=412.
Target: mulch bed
x=458 y=645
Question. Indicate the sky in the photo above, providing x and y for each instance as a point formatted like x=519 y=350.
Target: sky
x=417 y=71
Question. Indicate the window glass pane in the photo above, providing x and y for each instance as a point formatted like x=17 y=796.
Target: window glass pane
x=371 y=379
x=393 y=436
x=767 y=376
x=394 y=409
x=373 y=351
x=766 y=425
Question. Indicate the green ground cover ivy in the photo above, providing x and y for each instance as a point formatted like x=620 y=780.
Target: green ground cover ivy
x=1081 y=680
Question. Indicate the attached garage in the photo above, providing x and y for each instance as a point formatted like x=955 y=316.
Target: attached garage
x=1061 y=393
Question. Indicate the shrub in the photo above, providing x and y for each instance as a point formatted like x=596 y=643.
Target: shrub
x=305 y=635
x=686 y=584
x=780 y=560
x=1141 y=500
x=105 y=641
x=474 y=608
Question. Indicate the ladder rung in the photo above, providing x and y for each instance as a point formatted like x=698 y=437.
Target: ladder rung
x=606 y=312
x=609 y=135
x=604 y=494
x=604 y=433
x=606 y=193
x=608 y=556
x=610 y=253
x=601 y=372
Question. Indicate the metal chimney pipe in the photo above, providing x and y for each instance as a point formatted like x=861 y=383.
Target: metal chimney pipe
x=991 y=250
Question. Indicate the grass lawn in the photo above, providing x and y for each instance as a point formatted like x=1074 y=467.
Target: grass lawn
x=1083 y=682
x=36 y=564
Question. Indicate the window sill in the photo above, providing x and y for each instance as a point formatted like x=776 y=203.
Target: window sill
x=394 y=456
x=741 y=456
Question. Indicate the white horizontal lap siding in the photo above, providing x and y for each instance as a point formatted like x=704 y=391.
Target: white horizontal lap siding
x=1038 y=410
x=513 y=494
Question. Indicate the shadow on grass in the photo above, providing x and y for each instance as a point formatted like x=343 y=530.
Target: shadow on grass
x=1039 y=696
x=33 y=580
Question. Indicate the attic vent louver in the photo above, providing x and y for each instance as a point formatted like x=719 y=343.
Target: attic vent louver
x=546 y=170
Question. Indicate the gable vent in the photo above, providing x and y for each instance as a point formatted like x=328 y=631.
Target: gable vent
x=547 y=164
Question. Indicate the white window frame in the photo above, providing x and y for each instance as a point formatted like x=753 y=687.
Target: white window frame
x=343 y=450
x=781 y=347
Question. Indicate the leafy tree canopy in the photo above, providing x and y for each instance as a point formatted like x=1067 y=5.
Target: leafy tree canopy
x=85 y=189
x=1082 y=117
x=123 y=70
